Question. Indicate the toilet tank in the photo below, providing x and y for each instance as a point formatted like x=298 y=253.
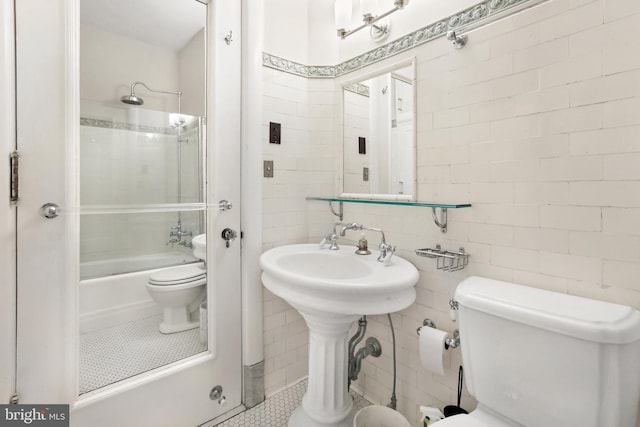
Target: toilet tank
x=543 y=358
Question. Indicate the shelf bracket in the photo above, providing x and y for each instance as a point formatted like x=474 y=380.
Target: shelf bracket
x=340 y=213
x=442 y=222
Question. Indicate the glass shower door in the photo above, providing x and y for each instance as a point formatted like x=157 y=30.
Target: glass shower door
x=142 y=201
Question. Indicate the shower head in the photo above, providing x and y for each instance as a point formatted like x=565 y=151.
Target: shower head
x=132 y=99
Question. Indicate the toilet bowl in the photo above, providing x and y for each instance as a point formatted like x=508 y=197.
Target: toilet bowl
x=179 y=291
x=379 y=416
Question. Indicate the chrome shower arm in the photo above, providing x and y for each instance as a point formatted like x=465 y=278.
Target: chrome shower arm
x=133 y=85
x=169 y=92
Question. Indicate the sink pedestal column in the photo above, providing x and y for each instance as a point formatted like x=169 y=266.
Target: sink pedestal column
x=327 y=402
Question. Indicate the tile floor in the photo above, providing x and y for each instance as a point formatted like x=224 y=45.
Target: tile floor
x=276 y=409
x=113 y=354
x=117 y=353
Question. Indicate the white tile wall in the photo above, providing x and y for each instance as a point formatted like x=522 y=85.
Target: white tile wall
x=303 y=166
x=537 y=124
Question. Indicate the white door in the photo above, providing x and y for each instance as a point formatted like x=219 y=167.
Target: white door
x=47 y=111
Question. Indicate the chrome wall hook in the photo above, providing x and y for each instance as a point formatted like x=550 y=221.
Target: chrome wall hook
x=457 y=41
x=228 y=38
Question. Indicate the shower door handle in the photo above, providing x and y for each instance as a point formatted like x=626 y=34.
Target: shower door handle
x=229 y=235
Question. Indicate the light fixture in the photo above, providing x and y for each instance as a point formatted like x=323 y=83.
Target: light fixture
x=377 y=23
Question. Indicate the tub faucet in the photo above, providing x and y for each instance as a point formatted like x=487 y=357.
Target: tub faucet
x=177 y=233
x=172 y=241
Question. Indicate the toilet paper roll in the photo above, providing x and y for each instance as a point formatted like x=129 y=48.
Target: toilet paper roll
x=431 y=349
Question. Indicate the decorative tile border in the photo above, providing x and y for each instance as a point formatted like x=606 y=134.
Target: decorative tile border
x=469 y=16
x=291 y=67
x=358 y=89
x=108 y=124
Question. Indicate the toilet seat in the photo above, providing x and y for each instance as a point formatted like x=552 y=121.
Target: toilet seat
x=477 y=418
x=178 y=275
x=462 y=420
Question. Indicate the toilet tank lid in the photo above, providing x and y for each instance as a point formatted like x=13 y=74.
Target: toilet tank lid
x=579 y=317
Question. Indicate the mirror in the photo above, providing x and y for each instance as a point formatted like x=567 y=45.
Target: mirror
x=142 y=105
x=379 y=136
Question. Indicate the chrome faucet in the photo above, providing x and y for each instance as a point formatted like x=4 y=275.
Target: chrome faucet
x=352 y=226
x=332 y=238
x=386 y=250
x=177 y=233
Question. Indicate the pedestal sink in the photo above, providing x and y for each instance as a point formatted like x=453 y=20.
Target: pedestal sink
x=199 y=243
x=332 y=289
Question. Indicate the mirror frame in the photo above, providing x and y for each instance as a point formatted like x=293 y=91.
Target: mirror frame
x=369 y=73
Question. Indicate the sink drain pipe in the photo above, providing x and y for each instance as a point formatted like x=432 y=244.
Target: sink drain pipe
x=353 y=342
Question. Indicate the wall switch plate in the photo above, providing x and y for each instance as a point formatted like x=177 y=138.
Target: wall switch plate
x=275 y=135
x=365 y=174
x=268 y=168
x=362 y=145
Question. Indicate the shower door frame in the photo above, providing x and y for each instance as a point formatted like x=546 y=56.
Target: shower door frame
x=47 y=39
x=8 y=249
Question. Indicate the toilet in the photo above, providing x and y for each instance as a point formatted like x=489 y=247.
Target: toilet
x=179 y=291
x=539 y=358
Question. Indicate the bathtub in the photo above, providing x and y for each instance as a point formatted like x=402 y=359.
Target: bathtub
x=90 y=269
x=119 y=298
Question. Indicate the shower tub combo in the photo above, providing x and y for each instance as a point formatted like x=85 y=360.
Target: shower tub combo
x=142 y=202
x=108 y=299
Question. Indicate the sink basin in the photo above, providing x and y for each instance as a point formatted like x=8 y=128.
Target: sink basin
x=332 y=289
x=199 y=243
x=338 y=281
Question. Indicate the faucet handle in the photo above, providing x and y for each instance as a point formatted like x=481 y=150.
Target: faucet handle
x=386 y=252
x=387 y=258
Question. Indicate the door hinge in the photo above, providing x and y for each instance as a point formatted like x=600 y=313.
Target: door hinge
x=15 y=399
x=14 y=167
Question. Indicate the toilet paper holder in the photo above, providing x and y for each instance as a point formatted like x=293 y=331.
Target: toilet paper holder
x=449 y=342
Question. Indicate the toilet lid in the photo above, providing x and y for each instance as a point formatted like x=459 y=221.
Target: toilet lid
x=178 y=275
x=477 y=418
x=462 y=420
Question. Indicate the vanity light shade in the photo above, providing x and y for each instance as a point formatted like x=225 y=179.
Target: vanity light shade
x=368 y=6
x=343 y=13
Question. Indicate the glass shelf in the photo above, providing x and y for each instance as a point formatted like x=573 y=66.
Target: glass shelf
x=440 y=222
x=393 y=202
